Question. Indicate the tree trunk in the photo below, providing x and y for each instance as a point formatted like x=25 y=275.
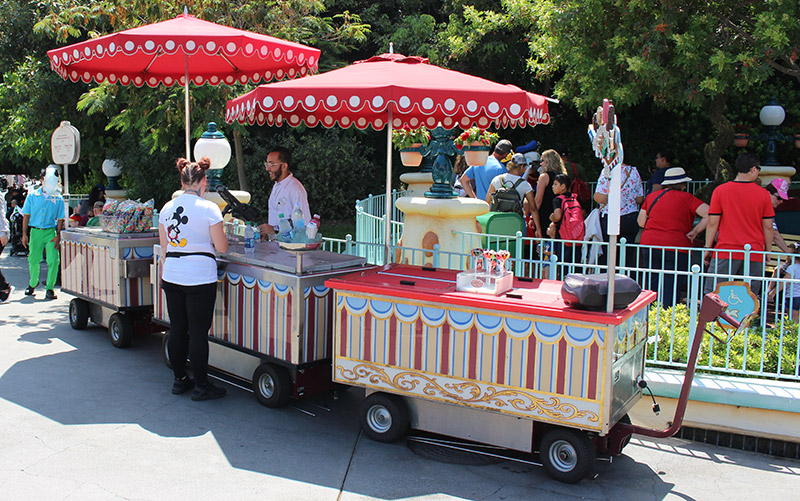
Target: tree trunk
x=713 y=149
x=237 y=145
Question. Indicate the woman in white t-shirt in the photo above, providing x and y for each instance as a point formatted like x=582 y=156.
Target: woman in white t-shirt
x=516 y=168
x=190 y=231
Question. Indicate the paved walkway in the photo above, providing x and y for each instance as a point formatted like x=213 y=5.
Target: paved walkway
x=80 y=419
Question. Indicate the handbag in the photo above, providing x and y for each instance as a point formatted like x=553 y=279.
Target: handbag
x=642 y=228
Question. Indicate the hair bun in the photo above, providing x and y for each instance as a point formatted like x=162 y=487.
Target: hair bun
x=182 y=162
x=204 y=163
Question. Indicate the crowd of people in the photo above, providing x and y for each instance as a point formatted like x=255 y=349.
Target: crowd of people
x=660 y=214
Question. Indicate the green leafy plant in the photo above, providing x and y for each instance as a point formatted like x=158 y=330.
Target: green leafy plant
x=757 y=350
x=475 y=135
x=406 y=137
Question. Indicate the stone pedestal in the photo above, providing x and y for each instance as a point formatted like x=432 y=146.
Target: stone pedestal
x=118 y=194
x=243 y=197
x=431 y=221
x=418 y=183
x=770 y=172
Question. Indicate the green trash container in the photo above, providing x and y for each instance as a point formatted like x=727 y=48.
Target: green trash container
x=501 y=223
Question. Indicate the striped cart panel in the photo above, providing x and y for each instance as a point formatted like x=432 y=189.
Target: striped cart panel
x=256 y=315
x=89 y=269
x=95 y=270
x=538 y=357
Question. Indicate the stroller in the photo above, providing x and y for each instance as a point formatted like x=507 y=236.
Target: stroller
x=15 y=237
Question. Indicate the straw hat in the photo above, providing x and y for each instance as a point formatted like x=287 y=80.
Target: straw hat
x=675 y=175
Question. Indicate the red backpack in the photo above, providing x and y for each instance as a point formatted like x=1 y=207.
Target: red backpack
x=579 y=187
x=572 y=227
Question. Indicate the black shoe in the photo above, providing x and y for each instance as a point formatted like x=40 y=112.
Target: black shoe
x=29 y=291
x=208 y=392
x=181 y=386
x=50 y=294
x=6 y=293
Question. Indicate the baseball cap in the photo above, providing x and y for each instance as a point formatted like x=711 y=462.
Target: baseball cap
x=781 y=187
x=503 y=147
x=99 y=204
x=533 y=156
x=519 y=159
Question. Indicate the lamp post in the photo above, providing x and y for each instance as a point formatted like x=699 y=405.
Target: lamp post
x=215 y=146
x=112 y=169
x=772 y=116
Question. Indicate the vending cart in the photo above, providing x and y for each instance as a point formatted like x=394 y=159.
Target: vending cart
x=109 y=275
x=520 y=370
x=273 y=318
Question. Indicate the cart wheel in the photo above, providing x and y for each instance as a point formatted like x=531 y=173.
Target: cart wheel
x=272 y=385
x=567 y=455
x=384 y=417
x=120 y=330
x=165 y=348
x=78 y=314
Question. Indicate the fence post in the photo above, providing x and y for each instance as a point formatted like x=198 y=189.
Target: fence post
x=622 y=243
x=436 y=255
x=518 y=245
x=348 y=245
x=746 y=264
x=695 y=294
x=553 y=262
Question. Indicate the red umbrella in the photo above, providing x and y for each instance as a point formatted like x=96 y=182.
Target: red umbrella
x=182 y=50
x=393 y=89
x=413 y=91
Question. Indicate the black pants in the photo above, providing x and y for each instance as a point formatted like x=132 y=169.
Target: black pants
x=628 y=228
x=3 y=282
x=191 y=311
x=666 y=261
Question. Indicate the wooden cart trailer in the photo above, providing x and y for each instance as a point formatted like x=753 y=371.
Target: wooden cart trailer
x=109 y=275
x=273 y=318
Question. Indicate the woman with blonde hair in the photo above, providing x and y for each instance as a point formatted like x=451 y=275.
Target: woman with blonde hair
x=190 y=231
x=552 y=165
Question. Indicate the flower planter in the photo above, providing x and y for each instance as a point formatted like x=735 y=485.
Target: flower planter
x=411 y=158
x=797 y=140
x=476 y=153
x=741 y=140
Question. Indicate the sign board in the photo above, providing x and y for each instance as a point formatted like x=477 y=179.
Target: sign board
x=65 y=144
x=741 y=300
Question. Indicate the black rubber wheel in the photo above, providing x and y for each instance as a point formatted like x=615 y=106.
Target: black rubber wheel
x=384 y=417
x=78 y=314
x=120 y=330
x=625 y=419
x=567 y=455
x=165 y=348
x=272 y=385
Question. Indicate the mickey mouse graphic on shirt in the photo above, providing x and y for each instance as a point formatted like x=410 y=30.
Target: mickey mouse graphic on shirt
x=174 y=231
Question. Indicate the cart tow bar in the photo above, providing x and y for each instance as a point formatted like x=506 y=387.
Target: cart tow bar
x=711 y=309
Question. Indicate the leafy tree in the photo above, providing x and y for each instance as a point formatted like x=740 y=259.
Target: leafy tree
x=679 y=53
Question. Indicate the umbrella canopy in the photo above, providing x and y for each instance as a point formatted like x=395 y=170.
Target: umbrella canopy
x=182 y=50
x=390 y=89
x=417 y=93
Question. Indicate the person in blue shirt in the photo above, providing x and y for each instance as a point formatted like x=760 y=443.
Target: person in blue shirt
x=44 y=213
x=482 y=175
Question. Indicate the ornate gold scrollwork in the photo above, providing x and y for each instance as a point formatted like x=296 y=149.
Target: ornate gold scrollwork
x=468 y=393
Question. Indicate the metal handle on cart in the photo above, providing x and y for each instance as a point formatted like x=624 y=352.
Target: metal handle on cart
x=238 y=209
x=712 y=309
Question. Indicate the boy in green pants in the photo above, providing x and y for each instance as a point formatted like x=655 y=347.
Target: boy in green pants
x=44 y=214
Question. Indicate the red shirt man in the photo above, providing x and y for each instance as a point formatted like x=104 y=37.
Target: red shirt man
x=742 y=212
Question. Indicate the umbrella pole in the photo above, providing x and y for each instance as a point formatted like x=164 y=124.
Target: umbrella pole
x=186 y=100
x=387 y=225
